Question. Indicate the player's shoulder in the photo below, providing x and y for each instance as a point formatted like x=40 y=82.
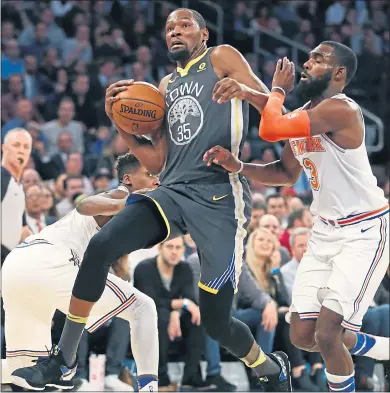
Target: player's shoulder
x=339 y=106
x=224 y=51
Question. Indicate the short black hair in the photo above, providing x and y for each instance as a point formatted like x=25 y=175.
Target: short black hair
x=345 y=57
x=70 y=177
x=295 y=215
x=197 y=16
x=126 y=163
x=276 y=195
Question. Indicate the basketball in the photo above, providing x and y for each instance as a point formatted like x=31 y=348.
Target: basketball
x=140 y=109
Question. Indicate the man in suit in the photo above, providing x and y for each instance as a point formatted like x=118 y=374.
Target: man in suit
x=35 y=218
x=50 y=167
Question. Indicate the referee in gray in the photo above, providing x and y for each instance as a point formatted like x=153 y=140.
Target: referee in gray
x=16 y=151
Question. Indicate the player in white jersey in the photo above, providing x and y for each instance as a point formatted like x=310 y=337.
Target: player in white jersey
x=348 y=252
x=38 y=277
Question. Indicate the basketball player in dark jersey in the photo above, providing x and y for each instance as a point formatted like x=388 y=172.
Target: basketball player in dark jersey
x=214 y=206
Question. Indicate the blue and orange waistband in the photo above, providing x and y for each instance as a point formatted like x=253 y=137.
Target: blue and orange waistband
x=356 y=218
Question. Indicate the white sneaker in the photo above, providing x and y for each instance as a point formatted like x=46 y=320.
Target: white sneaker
x=85 y=386
x=114 y=384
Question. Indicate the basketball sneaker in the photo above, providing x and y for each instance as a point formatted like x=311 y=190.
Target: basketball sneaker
x=48 y=371
x=278 y=382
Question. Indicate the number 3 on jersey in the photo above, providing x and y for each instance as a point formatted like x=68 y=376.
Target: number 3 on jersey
x=313 y=179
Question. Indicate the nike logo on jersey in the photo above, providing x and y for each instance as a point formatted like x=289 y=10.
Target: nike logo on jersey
x=215 y=198
x=365 y=230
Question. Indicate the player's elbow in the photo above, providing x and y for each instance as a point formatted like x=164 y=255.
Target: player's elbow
x=265 y=132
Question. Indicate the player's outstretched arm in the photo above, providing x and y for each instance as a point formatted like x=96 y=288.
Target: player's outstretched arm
x=151 y=153
x=331 y=115
x=284 y=172
x=104 y=204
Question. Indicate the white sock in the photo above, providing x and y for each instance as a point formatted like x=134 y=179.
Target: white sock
x=374 y=347
x=341 y=383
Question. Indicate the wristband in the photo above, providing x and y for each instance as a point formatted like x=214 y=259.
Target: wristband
x=280 y=89
x=241 y=167
x=185 y=304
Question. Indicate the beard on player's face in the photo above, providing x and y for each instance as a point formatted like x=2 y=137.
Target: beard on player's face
x=314 y=87
x=181 y=54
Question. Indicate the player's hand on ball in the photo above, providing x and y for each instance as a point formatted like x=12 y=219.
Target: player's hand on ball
x=226 y=89
x=223 y=157
x=284 y=75
x=112 y=91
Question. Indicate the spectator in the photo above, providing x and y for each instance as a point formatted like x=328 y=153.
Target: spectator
x=51 y=166
x=40 y=42
x=335 y=14
x=78 y=48
x=48 y=205
x=35 y=217
x=7 y=32
x=114 y=45
x=74 y=167
x=276 y=206
x=31 y=82
x=11 y=62
x=23 y=115
x=85 y=110
x=55 y=34
x=294 y=203
x=300 y=218
x=9 y=100
x=298 y=244
x=72 y=185
x=49 y=66
x=281 y=254
x=259 y=208
x=64 y=122
x=300 y=379
x=59 y=189
x=102 y=180
x=144 y=57
x=169 y=282
x=30 y=177
x=16 y=152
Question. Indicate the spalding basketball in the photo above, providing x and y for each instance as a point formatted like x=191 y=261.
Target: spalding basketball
x=140 y=109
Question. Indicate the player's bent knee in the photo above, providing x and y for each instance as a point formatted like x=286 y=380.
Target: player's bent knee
x=100 y=247
x=302 y=333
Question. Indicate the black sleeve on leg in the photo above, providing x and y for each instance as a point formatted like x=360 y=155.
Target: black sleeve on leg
x=137 y=226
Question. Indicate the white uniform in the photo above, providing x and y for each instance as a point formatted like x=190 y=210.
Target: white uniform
x=348 y=251
x=38 y=278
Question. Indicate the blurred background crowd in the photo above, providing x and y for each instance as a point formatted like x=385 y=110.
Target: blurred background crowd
x=58 y=57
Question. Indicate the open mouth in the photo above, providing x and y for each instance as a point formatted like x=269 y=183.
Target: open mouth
x=177 y=45
x=304 y=76
x=21 y=160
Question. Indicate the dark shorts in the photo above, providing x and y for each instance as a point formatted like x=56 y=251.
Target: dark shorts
x=216 y=217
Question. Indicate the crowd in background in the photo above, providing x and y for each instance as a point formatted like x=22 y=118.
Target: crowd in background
x=58 y=57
